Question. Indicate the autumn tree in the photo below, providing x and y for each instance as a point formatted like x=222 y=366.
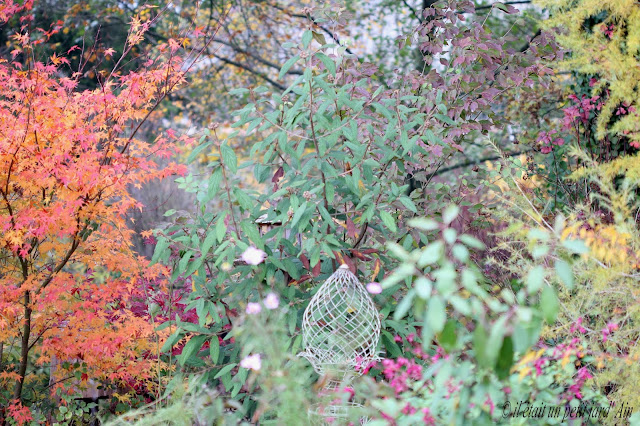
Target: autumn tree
x=68 y=158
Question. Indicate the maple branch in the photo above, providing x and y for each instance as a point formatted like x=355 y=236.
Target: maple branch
x=166 y=92
x=63 y=262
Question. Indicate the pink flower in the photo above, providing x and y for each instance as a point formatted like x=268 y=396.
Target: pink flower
x=489 y=402
x=611 y=327
x=253 y=256
x=409 y=409
x=427 y=417
x=539 y=364
x=252 y=362
x=271 y=301
x=253 y=308
x=577 y=326
x=374 y=288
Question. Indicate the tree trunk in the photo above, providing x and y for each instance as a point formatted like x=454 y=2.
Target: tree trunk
x=24 y=357
x=420 y=64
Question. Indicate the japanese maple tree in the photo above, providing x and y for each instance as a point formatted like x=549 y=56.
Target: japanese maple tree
x=68 y=275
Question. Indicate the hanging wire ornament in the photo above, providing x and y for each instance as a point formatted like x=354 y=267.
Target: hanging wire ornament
x=340 y=333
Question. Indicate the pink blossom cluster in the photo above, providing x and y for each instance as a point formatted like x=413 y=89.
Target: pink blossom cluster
x=399 y=372
x=577 y=326
x=575 y=390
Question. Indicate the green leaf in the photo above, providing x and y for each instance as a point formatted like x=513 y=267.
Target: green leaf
x=436 y=313
x=214 y=349
x=408 y=203
x=424 y=224
x=575 y=246
x=448 y=338
x=306 y=38
x=161 y=246
x=423 y=287
x=450 y=214
x=404 y=306
x=197 y=150
x=445 y=119
x=287 y=65
x=388 y=220
x=460 y=252
x=224 y=370
x=221 y=228
x=427 y=336
x=535 y=279
x=328 y=62
x=431 y=253
x=390 y=345
x=182 y=265
x=505 y=359
x=480 y=345
x=172 y=340
x=496 y=337
x=229 y=157
x=214 y=182
x=298 y=214
x=549 y=304
x=472 y=242
x=564 y=273
x=191 y=348
x=399 y=274
x=330 y=193
x=208 y=243
x=243 y=199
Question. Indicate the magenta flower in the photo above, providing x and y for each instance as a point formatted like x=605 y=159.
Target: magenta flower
x=253 y=256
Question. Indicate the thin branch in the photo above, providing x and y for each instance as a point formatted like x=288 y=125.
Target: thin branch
x=251 y=70
x=506 y=3
x=254 y=56
x=309 y=17
x=480 y=160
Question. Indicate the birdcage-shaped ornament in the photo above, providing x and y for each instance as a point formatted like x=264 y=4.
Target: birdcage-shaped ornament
x=340 y=333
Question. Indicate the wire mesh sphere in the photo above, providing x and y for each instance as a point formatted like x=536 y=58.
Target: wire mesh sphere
x=339 y=414
x=340 y=327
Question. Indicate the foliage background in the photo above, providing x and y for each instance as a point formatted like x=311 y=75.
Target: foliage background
x=478 y=161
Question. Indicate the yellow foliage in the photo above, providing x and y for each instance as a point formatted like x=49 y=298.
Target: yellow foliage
x=604 y=39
